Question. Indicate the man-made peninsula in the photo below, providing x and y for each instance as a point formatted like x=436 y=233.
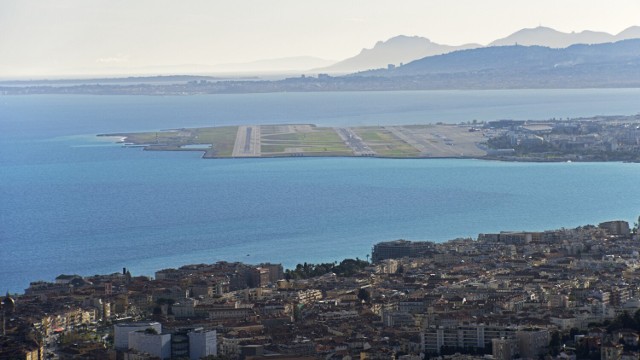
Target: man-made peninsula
x=612 y=138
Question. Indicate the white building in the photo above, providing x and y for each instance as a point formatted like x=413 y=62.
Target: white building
x=202 y=343
x=121 y=332
x=185 y=308
x=144 y=341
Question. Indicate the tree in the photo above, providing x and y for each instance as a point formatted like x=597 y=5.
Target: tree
x=573 y=332
x=636 y=317
x=364 y=295
x=555 y=342
x=347 y=267
x=622 y=321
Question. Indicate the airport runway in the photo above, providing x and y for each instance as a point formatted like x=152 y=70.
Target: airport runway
x=354 y=142
x=247 y=142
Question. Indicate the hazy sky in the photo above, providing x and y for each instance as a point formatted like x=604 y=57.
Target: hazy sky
x=79 y=36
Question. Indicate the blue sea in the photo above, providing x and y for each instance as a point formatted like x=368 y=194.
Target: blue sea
x=71 y=202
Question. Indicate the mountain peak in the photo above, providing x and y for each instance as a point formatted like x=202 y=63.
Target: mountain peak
x=540 y=28
x=407 y=38
x=518 y=60
x=632 y=32
x=403 y=40
x=405 y=48
x=545 y=36
x=396 y=50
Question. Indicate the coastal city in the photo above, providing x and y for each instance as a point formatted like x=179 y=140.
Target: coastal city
x=556 y=294
x=319 y=179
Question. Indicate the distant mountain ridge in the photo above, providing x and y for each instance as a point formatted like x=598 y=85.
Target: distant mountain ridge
x=396 y=50
x=520 y=58
x=544 y=36
x=404 y=49
x=608 y=65
x=499 y=67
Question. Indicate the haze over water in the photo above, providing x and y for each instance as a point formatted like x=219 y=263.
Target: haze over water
x=72 y=203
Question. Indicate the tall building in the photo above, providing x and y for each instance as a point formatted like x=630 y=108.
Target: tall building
x=147 y=341
x=259 y=277
x=504 y=349
x=617 y=227
x=7 y=307
x=530 y=342
x=511 y=237
x=276 y=272
x=121 y=332
x=533 y=343
x=611 y=351
x=202 y=343
x=180 y=343
x=400 y=248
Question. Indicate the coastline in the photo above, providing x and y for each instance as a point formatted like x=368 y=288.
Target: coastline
x=526 y=141
x=121 y=186
x=424 y=194
x=338 y=259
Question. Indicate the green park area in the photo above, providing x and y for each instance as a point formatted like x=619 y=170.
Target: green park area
x=307 y=140
x=385 y=143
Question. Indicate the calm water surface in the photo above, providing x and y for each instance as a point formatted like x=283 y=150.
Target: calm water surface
x=73 y=203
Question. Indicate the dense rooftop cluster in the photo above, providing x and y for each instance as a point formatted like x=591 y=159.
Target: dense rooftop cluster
x=602 y=138
x=560 y=294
